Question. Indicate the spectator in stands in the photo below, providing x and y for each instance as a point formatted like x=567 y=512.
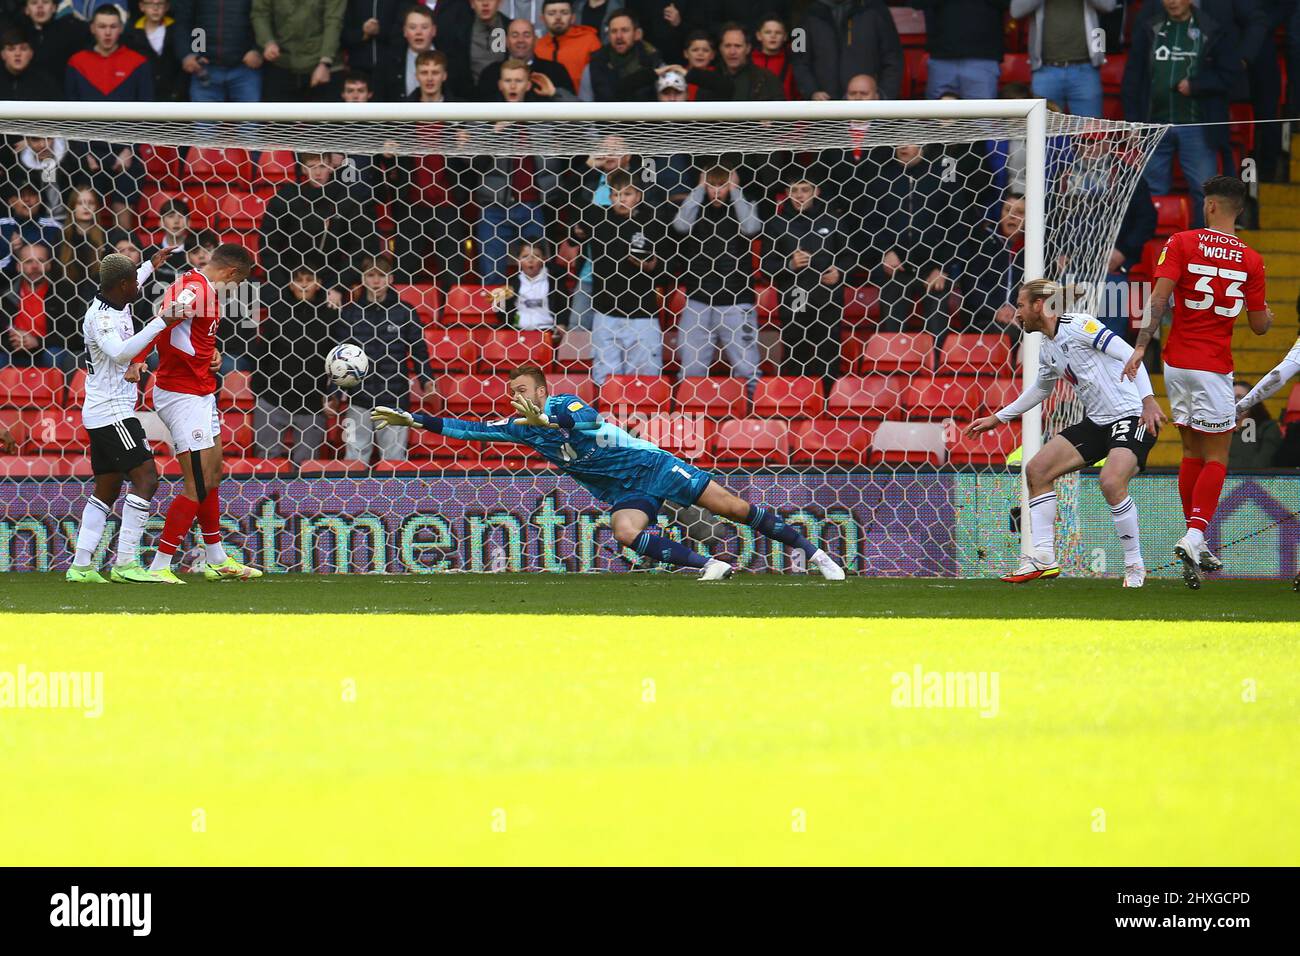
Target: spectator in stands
x=773 y=54
x=806 y=255
x=748 y=14
x=1180 y=69
x=38 y=316
x=520 y=45
x=994 y=268
x=701 y=53
x=1258 y=52
x=300 y=43
x=847 y=172
x=357 y=88
x=909 y=226
x=845 y=38
x=627 y=250
x=26 y=222
x=534 y=297
x=1257 y=438
x=530 y=10
x=390 y=332
x=594 y=14
x=83 y=238
x=288 y=367
x=964 y=40
x=663 y=22
x=593 y=191
x=47 y=162
x=315 y=214
x=21 y=80
x=737 y=77
x=484 y=46
x=367 y=27
x=511 y=191
x=716 y=227
x=1118 y=305
x=151 y=36
x=566 y=42
x=623 y=69
x=967 y=166
x=174 y=220
x=223 y=60
x=1066 y=51
x=53 y=40
x=431 y=79
x=395 y=76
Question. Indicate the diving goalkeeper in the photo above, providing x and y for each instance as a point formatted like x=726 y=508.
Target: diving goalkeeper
x=633 y=476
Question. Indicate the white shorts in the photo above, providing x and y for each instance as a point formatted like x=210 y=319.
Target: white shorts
x=1201 y=400
x=192 y=419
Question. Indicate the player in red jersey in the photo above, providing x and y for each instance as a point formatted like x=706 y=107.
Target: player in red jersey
x=185 y=388
x=1212 y=276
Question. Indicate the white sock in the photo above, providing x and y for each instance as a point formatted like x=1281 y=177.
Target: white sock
x=1196 y=537
x=1042 y=525
x=135 y=512
x=214 y=553
x=93 y=518
x=161 y=562
x=1126 y=526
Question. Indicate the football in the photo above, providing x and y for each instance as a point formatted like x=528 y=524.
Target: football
x=347 y=365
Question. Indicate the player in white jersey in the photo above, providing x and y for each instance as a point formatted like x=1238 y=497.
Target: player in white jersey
x=118 y=449
x=1268 y=386
x=1121 y=420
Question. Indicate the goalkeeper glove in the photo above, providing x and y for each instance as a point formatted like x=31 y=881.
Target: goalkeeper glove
x=383 y=416
x=529 y=413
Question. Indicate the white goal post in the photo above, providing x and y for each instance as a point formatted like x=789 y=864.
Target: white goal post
x=749 y=129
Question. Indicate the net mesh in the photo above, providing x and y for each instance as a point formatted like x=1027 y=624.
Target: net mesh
x=812 y=310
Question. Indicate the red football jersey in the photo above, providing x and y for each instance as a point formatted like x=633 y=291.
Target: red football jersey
x=185 y=350
x=1216 y=276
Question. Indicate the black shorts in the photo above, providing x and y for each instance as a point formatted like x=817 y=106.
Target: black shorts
x=1094 y=441
x=118 y=448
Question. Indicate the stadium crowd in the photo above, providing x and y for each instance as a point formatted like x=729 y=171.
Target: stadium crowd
x=784 y=272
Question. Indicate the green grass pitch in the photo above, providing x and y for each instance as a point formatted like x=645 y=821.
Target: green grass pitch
x=650 y=719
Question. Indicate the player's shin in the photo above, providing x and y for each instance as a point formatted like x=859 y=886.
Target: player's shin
x=1042 y=525
x=135 y=512
x=210 y=525
x=768 y=522
x=659 y=548
x=1125 y=515
x=93 y=519
x=1189 y=470
x=180 y=517
x=1205 y=500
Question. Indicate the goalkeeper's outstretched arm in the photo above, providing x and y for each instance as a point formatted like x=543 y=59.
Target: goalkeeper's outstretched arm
x=1269 y=385
x=451 y=427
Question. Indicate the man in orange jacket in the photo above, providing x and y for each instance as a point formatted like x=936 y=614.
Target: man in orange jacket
x=565 y=43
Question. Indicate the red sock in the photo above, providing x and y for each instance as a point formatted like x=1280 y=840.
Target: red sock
x=180 y=518
x=1205 y=499
x=1188 y=472
x=210 y=517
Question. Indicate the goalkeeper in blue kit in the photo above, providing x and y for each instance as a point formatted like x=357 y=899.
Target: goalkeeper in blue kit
x=633 y=476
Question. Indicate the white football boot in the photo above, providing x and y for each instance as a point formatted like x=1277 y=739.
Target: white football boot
x=716 y=570
x=1032 y=567
x=827 y=566
x=1190 y=555
x=1209 y=562
x=1135 y=575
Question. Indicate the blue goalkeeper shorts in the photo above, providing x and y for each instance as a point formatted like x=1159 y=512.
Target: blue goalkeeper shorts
x=669 y=479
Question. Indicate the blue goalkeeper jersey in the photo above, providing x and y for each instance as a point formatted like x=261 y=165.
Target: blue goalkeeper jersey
x=605 y=459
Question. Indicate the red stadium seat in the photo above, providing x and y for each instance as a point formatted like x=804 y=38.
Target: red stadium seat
x=574 y=350
x=827 y=441
x=861 y=302
x=237 y=433
x=767 y=304
x=1001 y=392
x=674 y=304
x=636 y=393
x=426 y=300
x=150 y=207
x=686 y=436
x=18 y=467
x=1242 y=130
x=1292 y=412
x=751 y=441
x=503 y=349
x=469 y=305
x=276 y=166
x=161 y=165
x=450 y=349
x=473 y=394
x=716 y=396
x=206 y=164
x=203 y=203
x=1112 y=73
x=915 y=66
x=1173 y=214
x=932 y=397
x=30 y=387
x=241 y=210
x=580 y=385
x=970 y=354
x=990 y=448
x=898 y=352
x=236 y=391
x=866 y=396
x=57 y=431
x=908 y=443
x=250 y=240
x=76 y=389
x=789 y=396
x=1015 y=69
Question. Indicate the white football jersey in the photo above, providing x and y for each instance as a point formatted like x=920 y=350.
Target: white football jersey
x=112 y=343
x=1088 y=355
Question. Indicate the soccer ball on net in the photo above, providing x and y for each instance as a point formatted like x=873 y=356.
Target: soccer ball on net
x=347 y=365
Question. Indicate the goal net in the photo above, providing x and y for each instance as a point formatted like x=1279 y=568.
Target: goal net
x=809 y=300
